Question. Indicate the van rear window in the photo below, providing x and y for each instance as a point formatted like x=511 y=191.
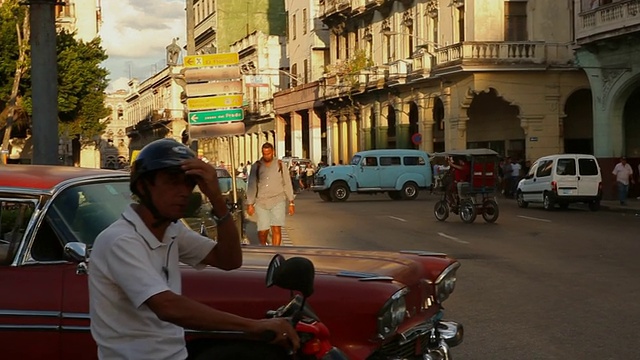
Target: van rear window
x=588 y=166
x=413 y=160
x=389 y=160
x=566 y=167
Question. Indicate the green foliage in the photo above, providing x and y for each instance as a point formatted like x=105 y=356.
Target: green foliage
x=11 y=13
x=81 y=80
x=350 y=69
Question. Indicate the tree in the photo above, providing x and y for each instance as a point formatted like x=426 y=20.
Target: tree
x=81 y=79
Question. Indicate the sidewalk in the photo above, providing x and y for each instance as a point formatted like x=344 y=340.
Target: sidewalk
x=632 y=207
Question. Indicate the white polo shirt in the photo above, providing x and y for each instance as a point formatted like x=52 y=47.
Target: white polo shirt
x=128 y=265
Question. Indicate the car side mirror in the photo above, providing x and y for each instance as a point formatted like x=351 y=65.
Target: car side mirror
x=77 y=252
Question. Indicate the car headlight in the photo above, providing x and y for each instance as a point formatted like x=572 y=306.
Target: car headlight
x=446 y=282
x=392 y=314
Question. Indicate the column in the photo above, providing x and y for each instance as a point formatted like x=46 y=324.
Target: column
x=353 y=136
x=240 y=149
x=296 y=134
x=279 y=137
x=255 y=147
x=344 y=138
x=315 y=136
x=403 y=138
x=382 y=126
x=426 y=125
x=333 y=141
x=365 y=140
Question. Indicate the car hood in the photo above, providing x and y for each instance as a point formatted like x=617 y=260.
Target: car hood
x=338 y=169
x=405 y=267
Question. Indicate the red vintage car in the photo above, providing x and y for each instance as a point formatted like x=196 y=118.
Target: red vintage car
x=377 y=305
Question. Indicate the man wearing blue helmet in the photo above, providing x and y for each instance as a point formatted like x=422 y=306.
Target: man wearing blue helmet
x=136 y=307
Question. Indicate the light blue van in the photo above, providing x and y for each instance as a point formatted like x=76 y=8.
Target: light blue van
x=401 y=173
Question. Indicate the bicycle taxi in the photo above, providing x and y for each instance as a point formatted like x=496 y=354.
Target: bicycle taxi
x=477 y=196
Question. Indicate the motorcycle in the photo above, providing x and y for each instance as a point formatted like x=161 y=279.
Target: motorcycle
x=295 y=274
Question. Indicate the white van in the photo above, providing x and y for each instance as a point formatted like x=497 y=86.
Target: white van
x=562 y=179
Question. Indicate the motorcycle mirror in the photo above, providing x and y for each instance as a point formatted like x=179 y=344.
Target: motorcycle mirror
x=274 y=264
x=296 y=273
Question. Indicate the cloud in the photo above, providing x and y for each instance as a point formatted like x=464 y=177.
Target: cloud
x=135 y=34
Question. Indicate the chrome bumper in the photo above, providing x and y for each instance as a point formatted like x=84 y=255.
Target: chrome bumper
x=433 y=342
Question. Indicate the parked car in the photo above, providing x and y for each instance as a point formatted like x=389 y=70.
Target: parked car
x=562 y=180
x=401 y=173
x=377 y=305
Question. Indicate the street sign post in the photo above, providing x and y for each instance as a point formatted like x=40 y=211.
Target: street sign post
x=214 y=95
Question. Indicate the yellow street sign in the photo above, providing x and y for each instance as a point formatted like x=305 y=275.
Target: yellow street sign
x=214 y=102
x=211 y=60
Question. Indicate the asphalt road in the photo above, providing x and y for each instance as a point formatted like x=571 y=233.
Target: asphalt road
x=535 y=285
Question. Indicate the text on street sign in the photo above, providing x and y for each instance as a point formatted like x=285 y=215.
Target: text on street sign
x=214 y=102
x=211 y=60
x=208 y=117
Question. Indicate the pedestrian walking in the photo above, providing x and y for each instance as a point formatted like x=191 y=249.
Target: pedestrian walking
x=623 y=174
x=136 y=307
x=269 y=195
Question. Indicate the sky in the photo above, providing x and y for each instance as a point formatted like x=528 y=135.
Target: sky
x=135 y=34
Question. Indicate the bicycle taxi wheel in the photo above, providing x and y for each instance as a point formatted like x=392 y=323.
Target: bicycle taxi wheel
x=468 y=212
x=490 y=210
x=441 y=210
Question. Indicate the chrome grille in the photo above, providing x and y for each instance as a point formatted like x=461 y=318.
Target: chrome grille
x=318 y=181
x=393 y=349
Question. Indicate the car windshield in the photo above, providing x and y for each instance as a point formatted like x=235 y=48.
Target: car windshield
x=84 y=210
x=356 y=160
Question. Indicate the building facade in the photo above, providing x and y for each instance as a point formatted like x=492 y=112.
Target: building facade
x=82 y=16
x=154 y=109
x=220 y=23
x=300 y=110
x=442 y=74
x=114 y=143
x=608 y=50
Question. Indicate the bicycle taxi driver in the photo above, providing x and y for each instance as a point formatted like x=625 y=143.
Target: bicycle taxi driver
x=461 y=173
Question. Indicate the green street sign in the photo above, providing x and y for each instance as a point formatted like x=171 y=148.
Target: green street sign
x=215 y=116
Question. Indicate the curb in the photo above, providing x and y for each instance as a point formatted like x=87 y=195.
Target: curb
x=620 y=209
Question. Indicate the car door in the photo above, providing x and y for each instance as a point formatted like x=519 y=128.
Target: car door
x=566 y=176
x=541 y=180
x=589 y=177
x=30 y=292
x=528 y=182
x=368 y=173
x=390 y=169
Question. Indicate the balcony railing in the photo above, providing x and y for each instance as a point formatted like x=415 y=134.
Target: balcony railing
x=330 y=7
x=526 y=52
x=613 y=19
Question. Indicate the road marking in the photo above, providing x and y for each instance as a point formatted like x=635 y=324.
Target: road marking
x=397 y=218
x=533 y=218
x=452 y=238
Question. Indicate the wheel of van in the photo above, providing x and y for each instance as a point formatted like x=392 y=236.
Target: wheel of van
x=594 y=205
x=441 y=210
x=339 y=191
x=410 y=190
x=468 y=211
x=325 y=195
x=395 y=195
x=547 y=202
x=520 y=200
x=490 y=211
